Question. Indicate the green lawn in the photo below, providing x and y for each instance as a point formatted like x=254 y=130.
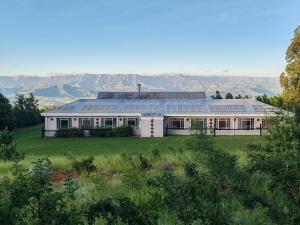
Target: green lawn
x=29 y=141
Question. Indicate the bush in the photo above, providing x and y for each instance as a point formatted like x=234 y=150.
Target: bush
x=84 y=165
x=123 y=131
x=30 y=198
x=144 y=163
x=68 y=133
x=101 y=132
x=8 y=147
x=156 y=153
x=121 y=210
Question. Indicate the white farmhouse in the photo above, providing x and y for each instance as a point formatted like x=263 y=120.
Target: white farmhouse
x=156 y=114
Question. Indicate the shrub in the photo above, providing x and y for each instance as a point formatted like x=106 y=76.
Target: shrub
x=156 y=153
x=84 y=165
x=144 y=163
x=68 y=133
x=101 y=132
x=190 y=169
x=30 y=198
x=121 y=210
x=123 y=131
x=8 y=147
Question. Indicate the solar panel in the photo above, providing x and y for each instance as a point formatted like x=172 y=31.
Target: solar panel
x=65 y=108
x=258 y=108
x=141 y=108
x=227 y=108
x=163 y=106
x=98 y=108
x=184 y=108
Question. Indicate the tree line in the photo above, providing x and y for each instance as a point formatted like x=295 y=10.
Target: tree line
x=228 y=95
x=24 y=112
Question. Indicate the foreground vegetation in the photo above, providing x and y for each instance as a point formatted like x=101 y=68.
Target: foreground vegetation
x=107 y=151
x=200 y=184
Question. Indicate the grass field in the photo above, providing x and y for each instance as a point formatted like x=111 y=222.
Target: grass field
x=107 y=150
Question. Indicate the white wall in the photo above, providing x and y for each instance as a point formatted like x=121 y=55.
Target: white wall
x=75 y=122
x=50 y=123
x=158 y=127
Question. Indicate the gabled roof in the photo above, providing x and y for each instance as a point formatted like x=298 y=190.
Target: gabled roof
x=151 y=95
x=164 y=107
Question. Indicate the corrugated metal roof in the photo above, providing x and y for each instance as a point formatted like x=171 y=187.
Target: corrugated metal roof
x=151 y=95
x=165 y=106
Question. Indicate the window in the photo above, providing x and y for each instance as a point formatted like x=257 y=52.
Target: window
x=109 y=122
x=86 y=123
x=63 y=123
x=198 y=123
x=133 y=121
x=176 y=123
x=223 y=124
x=246 y=123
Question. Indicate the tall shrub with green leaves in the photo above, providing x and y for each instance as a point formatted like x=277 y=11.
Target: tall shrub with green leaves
x=30 y=198
x=7 y=119
x=8 y=146
x=26 y=110
x=279 y=161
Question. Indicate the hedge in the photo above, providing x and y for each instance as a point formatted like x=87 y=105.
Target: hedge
x=122 y=131
x=101 y=132
x=68 y=133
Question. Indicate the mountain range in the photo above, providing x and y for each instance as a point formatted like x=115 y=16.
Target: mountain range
x=58 y=89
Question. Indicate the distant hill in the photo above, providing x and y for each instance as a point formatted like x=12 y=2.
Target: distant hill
x=64 y=88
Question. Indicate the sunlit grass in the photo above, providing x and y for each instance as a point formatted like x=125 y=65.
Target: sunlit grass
x=107 y=151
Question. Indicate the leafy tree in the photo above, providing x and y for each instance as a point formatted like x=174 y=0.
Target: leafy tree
x=121 y=209
x=290 y=79
x=278 y=162
x=26 y=110
x=263 y=98
x=228 y=96
x=215 y=194
x=217 y=96
x=31 y=199
x=8 y=146
x=277 y=101
x=7 y=119
x=242 y=97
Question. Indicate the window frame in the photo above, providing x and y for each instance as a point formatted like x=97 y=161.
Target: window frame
x=241 y=123
x=60 y=119
x=227 y=123
x=113 y=122
x=196 y=120
x=91 y=122
x=136 y=121
x=172 y=120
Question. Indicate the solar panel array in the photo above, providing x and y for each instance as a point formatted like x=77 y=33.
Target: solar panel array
x=184 y=108
x=98 y=108
x=141 y=108
x=227 y=109
x=259 y=108
x=65 y=108
x=165 y=107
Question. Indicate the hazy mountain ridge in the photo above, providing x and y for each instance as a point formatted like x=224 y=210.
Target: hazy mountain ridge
x=65 y=88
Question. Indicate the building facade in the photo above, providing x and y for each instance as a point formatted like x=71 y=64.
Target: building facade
x=157 y=114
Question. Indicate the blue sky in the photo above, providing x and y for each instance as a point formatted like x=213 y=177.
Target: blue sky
x=215 y=37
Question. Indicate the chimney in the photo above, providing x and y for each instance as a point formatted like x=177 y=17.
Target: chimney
x=139 y=86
